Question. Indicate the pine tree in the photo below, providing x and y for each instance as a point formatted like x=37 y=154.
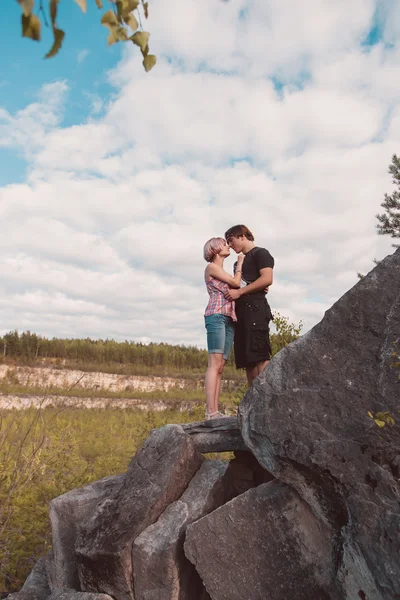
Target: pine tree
x=389 y=221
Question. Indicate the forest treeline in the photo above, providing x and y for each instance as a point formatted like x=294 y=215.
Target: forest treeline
x=30 y=347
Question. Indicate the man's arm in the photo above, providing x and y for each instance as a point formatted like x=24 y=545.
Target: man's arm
x=265 y=280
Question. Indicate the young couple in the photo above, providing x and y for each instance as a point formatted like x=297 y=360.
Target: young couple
x=237 y=309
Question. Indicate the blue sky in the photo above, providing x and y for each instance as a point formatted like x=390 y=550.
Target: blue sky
x=83 y=62
x=281 y=114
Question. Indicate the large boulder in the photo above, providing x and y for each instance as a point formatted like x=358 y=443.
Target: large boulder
x=157 y=476
x=162 y=572
x=36 y=586
x=265 y=544
x=306 y=420
x=70 y=594
x=67 y=513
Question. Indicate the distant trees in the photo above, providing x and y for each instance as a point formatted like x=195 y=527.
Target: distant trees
x=389 y=221
x=29 y=347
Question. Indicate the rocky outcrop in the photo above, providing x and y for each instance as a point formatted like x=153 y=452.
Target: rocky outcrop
x=161 y=569
x=308 y=509
x=306 y=420
x=156 y=477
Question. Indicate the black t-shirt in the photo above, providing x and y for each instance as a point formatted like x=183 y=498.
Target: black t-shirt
x=254 y=261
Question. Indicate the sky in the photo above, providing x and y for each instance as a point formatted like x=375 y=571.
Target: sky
x=279 y=114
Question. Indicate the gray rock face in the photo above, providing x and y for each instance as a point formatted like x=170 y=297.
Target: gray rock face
x=306 y=420
x=68 y=594
x=243 y=473
x=36 y=587
x=156 y=477
x=162 y=572
x=67 y=513
x=264 y=545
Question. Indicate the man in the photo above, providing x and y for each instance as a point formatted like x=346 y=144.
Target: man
x=252 y=345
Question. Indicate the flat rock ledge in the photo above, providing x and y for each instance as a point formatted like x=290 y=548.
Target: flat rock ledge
x=216 y=435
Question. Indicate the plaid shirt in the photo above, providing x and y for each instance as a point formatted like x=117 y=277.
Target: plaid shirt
x=217 y=302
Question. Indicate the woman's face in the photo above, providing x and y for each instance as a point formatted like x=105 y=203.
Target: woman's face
x=225 y=251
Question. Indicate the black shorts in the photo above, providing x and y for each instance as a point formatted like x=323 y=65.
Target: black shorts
x=252 y=344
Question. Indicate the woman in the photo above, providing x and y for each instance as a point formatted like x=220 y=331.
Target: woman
x=219 y=318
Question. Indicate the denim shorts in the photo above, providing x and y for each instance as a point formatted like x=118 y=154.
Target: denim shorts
x=220 y=333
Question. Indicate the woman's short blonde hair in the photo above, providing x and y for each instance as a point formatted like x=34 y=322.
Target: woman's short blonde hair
x=212 y=248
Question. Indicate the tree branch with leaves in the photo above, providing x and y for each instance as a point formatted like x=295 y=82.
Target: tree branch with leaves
x=124 y=22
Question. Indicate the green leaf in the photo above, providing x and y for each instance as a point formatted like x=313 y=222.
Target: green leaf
x=31 y=27
x=370 y=414
x=149 y=61
x=58 y=40
x=141 y=38
x=82 y=5
x=27 y=6
x=131 y=21
x=380 y=423
x=124 y=7
x=109 y=18
x=121 y=34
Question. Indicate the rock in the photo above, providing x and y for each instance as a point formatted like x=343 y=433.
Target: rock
x=162 y=572
x=263 y=545
x=67 y=513
x=306 y=421
x=156 y=477
x=36 y=586
x=243 y=473
x=69 y=594
x=216 y=435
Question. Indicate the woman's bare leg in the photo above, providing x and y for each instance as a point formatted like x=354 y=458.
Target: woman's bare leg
x=219 y=380
x=213 y=381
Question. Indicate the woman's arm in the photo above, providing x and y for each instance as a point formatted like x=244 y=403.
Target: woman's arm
x=219 y=273
x=265 y=280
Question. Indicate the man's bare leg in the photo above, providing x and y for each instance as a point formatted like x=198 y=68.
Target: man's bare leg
x=254 y=370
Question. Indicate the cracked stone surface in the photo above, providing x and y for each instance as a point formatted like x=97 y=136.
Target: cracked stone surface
x=157 y=476
x=265 y=544
x=67 y=513
x=162 y=572
x=70 y=594
x=306 y=421
x=36 y=586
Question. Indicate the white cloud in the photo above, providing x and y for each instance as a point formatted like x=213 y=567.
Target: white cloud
x=82 y=55
x=105 y=237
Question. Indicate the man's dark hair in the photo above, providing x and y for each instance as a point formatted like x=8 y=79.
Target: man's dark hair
x=238 y=230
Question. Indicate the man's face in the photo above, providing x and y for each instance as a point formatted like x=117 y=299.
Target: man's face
x=236 y=243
